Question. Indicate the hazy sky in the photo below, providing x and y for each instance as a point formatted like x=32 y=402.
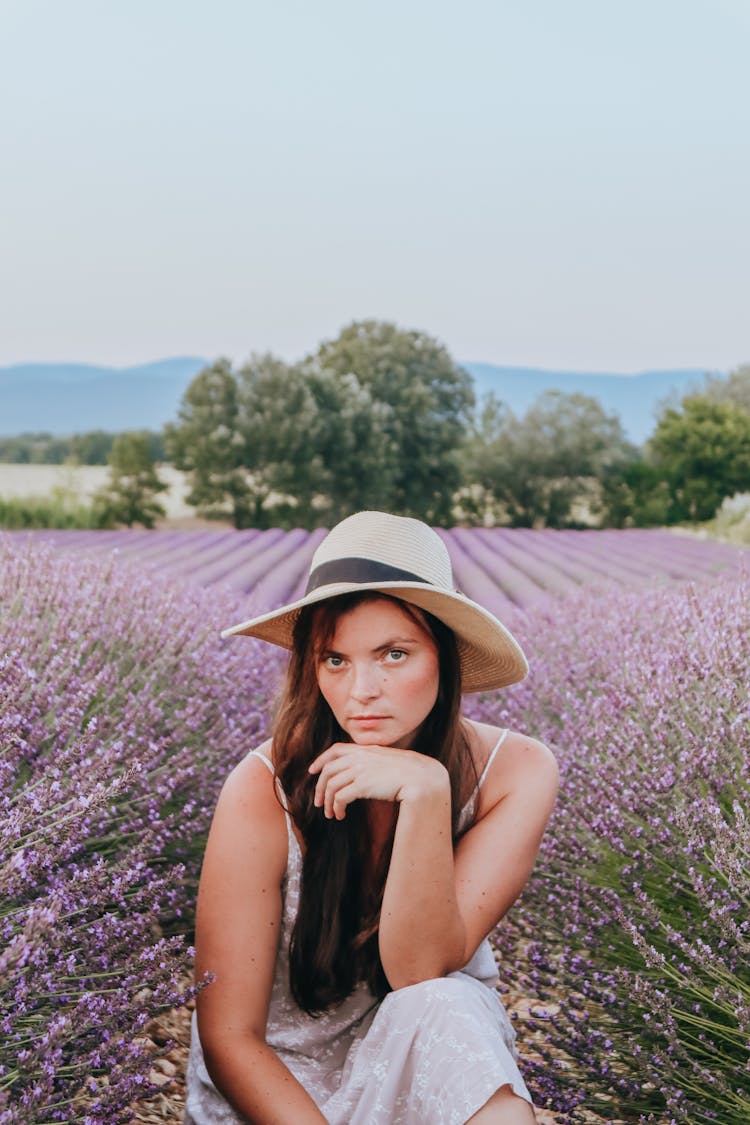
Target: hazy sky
x=563 y=183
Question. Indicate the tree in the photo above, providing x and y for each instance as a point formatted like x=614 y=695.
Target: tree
x=735 y=388
x=279 y=420
x=703 y=451
x=422 y=402
x=130 y=496
x=313 y=441
x=94 y=447
x=635 y=495
x=530 y=471
x=359 y=462
x=206 y=441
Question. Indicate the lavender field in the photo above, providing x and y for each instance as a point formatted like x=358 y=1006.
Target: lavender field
x=626 y=960
x=501 y=568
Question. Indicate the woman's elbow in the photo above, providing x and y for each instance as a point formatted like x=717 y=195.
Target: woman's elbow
x=425 y=965
x=221 y=1049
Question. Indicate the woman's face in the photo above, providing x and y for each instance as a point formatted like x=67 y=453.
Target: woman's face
x=379 y=674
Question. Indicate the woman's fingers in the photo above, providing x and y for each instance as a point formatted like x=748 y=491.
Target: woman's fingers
x=347 y=771
x=332 y=754
x=357 y=770
x=329 y=771
x=331 y=797
x=343 y=798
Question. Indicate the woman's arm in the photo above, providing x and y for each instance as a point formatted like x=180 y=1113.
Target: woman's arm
x=422 y=930
x=237 y=934
x=437 y=905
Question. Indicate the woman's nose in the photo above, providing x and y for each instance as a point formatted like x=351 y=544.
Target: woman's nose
x=365 y=682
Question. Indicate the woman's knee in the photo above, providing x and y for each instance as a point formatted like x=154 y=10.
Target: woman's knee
x=505 y=1107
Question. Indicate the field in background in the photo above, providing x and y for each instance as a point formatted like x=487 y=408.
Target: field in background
x=131 y=713
x=500 y=568
x=80 y=482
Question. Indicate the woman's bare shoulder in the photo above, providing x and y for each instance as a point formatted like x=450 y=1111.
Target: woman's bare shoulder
x=521 y=760
x=249 y=792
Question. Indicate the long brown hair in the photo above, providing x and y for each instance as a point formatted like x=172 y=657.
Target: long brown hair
x=334 y=943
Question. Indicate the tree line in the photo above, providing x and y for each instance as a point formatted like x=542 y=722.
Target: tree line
x=385 y=418
x=91 y=448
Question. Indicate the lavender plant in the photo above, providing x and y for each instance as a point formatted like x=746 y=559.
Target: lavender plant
x=632 y=939
x=120 y=714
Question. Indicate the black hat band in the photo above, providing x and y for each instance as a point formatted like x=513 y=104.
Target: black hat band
x=359 y=571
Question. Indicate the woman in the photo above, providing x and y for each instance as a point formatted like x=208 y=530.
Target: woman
x=358 y=860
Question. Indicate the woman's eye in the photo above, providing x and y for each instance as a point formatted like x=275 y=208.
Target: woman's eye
x=396 y=654
x=333 y=661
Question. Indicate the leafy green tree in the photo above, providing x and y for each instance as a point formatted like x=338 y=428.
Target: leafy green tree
x=134 y=483
x=531 y=471
x=17 y=450
x=635 y=495
x=207 y=442
x=91 y=448
x=415 y=435
x=279 y=420
x=313 y=442
x=734 y=389
x=703 y=452
x=360 y=464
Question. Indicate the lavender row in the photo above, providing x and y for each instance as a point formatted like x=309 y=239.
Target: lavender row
x=632 y=939
x=121 y=712
x=498 y=567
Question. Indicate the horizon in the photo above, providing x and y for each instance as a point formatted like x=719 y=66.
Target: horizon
x=467 y=363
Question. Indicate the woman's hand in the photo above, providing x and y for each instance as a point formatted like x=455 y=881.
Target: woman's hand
x=348 y=772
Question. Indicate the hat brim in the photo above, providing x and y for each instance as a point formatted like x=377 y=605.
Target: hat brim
x=489 y=653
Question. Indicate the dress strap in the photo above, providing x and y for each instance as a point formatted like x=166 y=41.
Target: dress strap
x=264 y=758
x=282 y=795
x=491 y=758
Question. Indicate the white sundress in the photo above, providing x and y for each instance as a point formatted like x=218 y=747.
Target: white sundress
x=429 y=1054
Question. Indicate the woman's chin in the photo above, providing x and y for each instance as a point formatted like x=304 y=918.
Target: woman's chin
x=368 y=738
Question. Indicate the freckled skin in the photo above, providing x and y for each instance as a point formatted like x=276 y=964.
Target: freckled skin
x=380 y=675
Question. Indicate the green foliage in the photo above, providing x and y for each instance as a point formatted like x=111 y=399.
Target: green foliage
x=312 y=442
x=635 y=495
x=279 y=420
x=59 y=510
x=732 y=521
x=374 y=419
x=34 y=449
x=130 y=496
x=703 y=451
x=735 y=388
x=360 y=465
x=530 y=472
x=91 y=448
x=207 y=442
x=427 y=401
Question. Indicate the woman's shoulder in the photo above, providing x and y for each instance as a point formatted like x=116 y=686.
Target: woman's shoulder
x=250 y=787
x=248 y=821
x=519 y=759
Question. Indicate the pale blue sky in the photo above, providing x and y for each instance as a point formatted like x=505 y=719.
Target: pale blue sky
x=563 y=183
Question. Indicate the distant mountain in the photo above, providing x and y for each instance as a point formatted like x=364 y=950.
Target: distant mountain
x=67 y=398
x=634 y=398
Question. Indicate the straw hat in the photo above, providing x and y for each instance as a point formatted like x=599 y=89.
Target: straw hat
x=406 y=559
